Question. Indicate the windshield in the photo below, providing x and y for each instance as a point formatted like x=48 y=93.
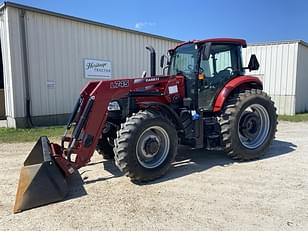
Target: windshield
x=184 y=59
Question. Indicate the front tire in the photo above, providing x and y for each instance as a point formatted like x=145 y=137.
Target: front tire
x=146 y=146
x=248 y=124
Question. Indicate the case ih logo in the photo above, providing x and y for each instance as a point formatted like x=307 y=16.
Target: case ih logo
x=119 y=84
x=151 y=79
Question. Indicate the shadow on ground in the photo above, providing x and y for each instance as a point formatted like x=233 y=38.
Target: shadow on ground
x=109 y=166
x=76 y=182
x=189 y=161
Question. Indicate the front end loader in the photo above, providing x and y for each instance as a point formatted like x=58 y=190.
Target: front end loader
x=42 y=179
x=205 y=101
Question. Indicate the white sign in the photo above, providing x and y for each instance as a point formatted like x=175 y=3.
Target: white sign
x=173 y=89
x=97 y=69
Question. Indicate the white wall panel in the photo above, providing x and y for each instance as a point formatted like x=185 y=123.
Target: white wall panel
x=57 y=47
x=7 y=72
x=13 y=63
x=302 y=79
x=278 y=65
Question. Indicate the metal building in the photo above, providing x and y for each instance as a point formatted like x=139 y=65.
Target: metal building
x=284 y=72
x=46 y=57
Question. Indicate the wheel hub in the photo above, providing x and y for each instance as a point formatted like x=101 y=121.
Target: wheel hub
x=151 y=146
x=250 y=125
x=253 y=126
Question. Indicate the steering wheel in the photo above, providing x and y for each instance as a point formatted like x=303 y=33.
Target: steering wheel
x=190 y=68
x=228 y=68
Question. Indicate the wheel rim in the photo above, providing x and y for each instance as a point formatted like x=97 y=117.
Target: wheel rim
x=253 y=126
x=152 y=147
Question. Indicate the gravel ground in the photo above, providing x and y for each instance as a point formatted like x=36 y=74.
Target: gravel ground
x=203 y=191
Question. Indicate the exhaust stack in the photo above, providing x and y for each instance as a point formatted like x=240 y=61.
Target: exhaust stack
x=152 y=60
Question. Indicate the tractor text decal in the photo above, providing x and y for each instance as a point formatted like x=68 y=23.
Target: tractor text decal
x=151 y=79
x=119 y=84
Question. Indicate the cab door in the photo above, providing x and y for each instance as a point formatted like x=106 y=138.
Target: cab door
x=223 y=64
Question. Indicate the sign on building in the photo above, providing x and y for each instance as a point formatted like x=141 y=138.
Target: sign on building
x=97 y=69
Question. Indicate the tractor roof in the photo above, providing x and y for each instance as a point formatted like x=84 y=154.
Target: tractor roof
x=241 y=42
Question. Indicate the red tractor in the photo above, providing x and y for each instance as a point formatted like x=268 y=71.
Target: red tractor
x=205 y=101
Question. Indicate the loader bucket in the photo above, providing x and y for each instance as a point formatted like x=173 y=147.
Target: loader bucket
x=41 y=181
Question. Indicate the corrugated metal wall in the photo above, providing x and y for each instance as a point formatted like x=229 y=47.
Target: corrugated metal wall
x=56 y=48
x=7 y=73
x=302 y=79
x=278 y=65
x=12 y=65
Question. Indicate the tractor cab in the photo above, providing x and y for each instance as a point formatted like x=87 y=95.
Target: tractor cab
x=207 y=66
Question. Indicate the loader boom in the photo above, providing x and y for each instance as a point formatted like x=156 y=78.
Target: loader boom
x=43 y=176
x=90 y=114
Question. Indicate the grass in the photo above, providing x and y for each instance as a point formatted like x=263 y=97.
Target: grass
x=11 y=135
x=296 y=118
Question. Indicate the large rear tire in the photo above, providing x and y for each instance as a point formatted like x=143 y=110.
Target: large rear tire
x=145 y=146
x=248 y=124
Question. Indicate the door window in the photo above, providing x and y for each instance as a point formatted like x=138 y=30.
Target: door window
x=222 y=65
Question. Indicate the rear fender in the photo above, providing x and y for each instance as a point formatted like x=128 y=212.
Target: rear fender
x=241 y=82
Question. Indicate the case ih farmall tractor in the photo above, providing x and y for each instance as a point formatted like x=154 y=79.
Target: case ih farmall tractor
x=205 y=101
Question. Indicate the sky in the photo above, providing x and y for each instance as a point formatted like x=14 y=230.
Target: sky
x=255 y=21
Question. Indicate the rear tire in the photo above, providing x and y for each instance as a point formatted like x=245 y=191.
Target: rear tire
x=248 y=124
x=145 y=146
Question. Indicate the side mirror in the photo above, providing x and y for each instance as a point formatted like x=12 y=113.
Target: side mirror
x=253 y=64
x=206 y=51
x=162 y=61
x=144 y=74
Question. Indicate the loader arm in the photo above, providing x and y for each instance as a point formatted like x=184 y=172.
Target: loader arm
x=90 y=114
x=43 y=176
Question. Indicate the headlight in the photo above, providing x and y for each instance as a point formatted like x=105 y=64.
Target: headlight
x=114 y=106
